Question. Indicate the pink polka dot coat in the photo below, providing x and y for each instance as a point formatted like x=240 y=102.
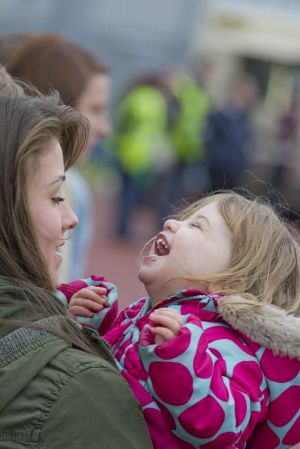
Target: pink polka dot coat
x=230 y=379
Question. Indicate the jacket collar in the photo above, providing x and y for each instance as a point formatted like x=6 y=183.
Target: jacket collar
x=266 y=324
x=187 y=296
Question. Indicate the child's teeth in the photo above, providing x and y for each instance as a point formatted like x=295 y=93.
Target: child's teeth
x=162 y=246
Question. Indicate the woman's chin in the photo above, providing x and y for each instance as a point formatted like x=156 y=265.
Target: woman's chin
x=53 y=270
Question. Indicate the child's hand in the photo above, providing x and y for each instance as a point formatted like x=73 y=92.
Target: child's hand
x=88 y=301
x=167 y=324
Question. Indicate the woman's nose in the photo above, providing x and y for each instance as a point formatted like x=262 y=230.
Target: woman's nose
x=171 y=225
x=70 y=219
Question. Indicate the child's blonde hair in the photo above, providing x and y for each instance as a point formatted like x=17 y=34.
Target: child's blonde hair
x=264 y=266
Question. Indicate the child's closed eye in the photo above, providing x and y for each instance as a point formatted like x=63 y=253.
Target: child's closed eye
x=196 y=225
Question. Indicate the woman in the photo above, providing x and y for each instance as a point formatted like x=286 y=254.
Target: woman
x=59 y=388
x=49 y=61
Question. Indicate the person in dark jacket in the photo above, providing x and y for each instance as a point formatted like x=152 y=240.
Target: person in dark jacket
x=59 y=386
x=228 y=136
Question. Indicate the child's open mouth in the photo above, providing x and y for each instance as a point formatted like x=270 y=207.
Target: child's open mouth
x=161 y=246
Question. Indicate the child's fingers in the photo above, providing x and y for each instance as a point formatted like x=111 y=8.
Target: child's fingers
x=90 y=294
x=162 y=334
x=80 y=311
x=91 y=304
x=158 y=339
x=166 y=321
x=169 y=312
x=98 y=290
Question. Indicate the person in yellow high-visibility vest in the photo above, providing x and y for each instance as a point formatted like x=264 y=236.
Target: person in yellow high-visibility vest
x=189 y=175
x=139 y=138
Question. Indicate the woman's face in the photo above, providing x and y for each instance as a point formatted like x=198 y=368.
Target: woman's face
x=50 y=214
x=93 y=104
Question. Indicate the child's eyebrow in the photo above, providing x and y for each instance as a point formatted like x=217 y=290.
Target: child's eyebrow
x=202 y=217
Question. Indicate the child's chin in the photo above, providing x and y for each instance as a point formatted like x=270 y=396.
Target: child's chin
x=145 y=275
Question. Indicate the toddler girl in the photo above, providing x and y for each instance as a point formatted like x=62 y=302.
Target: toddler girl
x=213 y=352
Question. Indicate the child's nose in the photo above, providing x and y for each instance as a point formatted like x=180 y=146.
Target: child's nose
x=171 y=225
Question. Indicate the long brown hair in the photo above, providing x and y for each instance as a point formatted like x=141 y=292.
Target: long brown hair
x=49 y=61
x=264 y=264
x=27 y=125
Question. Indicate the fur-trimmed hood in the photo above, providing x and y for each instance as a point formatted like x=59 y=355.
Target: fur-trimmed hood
x=265 y=324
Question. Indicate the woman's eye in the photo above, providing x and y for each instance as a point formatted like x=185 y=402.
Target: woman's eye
x=196 y=225
x=57 y=199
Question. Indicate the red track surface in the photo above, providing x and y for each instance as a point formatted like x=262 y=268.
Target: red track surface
x=117 y=259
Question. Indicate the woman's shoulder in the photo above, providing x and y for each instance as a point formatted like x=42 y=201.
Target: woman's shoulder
x=34 y=360
x=95 y=405
x=56 y=391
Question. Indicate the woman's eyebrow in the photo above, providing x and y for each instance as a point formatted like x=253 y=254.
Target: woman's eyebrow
x=59 y=179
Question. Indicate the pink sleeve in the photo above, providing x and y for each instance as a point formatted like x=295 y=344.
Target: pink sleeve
x=102 y=320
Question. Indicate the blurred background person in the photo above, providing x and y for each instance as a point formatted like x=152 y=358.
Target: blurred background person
x=9 y=43
x=158 y=145
x=285 y=160
x=191 y=105
x=49 y=61
x=142 y=149
x=228 y=136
